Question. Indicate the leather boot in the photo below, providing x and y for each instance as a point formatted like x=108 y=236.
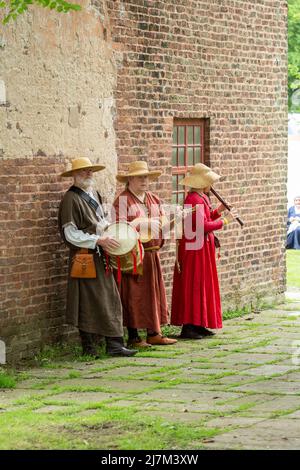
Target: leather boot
x=89 y=346
x=204 y=331
x=115 y=347
x=190 y=332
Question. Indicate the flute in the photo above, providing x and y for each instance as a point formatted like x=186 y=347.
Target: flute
x=226 y=205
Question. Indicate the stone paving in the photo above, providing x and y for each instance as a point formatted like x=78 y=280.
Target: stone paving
x=244 y=382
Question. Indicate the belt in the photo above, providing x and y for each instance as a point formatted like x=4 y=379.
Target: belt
x=152 y=248
x=85 y=251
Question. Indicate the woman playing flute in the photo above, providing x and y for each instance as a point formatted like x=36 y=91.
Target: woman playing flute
x=196 y=301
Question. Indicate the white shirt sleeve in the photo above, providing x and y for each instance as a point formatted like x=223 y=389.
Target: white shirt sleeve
x=101 y=226
x=79 y=238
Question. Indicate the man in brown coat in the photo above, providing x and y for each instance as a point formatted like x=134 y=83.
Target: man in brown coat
x=93 y=304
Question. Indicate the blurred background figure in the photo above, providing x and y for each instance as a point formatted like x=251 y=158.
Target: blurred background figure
x=293 y=225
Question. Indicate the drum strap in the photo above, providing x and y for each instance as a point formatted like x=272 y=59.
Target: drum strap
x=119 y=275
x=134 y=262
x=91 y=202
x=140 y=249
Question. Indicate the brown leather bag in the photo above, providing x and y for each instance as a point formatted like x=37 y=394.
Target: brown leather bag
x=83 y=265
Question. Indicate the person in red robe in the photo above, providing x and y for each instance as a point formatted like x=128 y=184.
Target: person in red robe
x=196 y=301
x=143 y=295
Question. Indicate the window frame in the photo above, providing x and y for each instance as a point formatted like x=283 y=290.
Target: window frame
x=182 y=170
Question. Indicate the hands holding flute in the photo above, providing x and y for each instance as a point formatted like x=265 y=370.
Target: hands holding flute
x=230 y=215
x=224 y=205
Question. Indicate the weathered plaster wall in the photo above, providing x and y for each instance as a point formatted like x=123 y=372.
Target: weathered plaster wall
x=58 y=73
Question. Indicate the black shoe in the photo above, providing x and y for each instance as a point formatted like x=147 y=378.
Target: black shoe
x=190 y=332
x=122 y=351
x=204 y=331
x=115 y=347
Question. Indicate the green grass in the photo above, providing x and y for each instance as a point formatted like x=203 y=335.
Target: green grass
x=106 y=428
x=293 y=268
x=51 y=356
x=229 y=314
x=7 y=379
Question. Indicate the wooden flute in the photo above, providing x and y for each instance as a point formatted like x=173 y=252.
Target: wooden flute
x=225 y=204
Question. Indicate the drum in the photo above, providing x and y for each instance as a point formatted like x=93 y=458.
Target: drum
x=130 y=254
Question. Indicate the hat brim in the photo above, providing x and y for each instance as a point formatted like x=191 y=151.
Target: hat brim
x=152 y=175
x=94 y=168
x=200 y=181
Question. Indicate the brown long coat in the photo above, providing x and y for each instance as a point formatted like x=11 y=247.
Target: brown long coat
x=143 y=296
x=93 y=305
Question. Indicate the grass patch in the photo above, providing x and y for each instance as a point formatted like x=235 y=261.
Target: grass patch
x=229 y=314
x=160 y=354
x=74 y=374
x=7 y=379
x=293 y=268
x=249 y=309
x=106 y=428
x=171 y=330
x=279 y=413
x=30 y=430
x=51 y=356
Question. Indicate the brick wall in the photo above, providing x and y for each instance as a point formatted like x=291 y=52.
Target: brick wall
x=32 y=257
x=123 y=70
x=226 y=61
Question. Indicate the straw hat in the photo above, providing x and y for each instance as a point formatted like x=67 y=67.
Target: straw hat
x=82 y=163
x=138 y=168
x=200 y=176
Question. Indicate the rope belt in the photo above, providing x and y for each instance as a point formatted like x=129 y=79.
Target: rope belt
x=152 y=248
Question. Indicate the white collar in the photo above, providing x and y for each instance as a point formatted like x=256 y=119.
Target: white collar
x=142 y=199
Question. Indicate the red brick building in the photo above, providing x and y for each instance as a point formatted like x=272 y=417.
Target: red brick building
x=173 y=82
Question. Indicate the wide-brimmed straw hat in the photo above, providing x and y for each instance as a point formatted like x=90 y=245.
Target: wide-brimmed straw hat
x=82 y=163
x=138 y=168
x=200 y=176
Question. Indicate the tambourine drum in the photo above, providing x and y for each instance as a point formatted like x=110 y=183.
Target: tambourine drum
x=130 y=254
x=128 y=261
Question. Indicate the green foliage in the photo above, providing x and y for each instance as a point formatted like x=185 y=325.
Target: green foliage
x=293 y=268
x=51 y=356
x=294 y=55
x=7 y=380
x=17 y=7
x=236 y=313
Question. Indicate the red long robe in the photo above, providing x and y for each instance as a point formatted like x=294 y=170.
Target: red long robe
x=196 y=294
x=143 y=296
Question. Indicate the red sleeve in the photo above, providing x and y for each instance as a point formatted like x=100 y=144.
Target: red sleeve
x=215 y=215
x=209 y=225
x=213 y=225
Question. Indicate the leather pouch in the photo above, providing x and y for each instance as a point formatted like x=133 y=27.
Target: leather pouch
x=83 y=265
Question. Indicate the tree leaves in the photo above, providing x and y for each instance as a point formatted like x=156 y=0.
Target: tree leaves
x=294 y=54
x=17 y=7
